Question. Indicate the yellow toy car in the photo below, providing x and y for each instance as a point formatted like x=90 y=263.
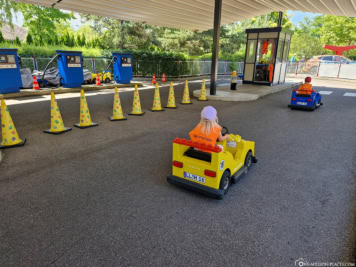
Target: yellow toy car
x=211 y=170
x=105 y=77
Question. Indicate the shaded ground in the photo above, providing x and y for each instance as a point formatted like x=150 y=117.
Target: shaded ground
x=99 y=197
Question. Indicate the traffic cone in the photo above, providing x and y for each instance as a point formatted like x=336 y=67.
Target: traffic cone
x=157 y=100
x=36 y=86
x=57 y=126
x=163 y=78
x=171 y=98
x=136 y=108
x=85 y=119
x=186 y=98
x=154 y=79
x=118 y=115
x=203 y=92
x=98 y=83
x=10 y=138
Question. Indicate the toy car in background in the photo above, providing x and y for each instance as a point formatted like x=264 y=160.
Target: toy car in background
x=305 y=101
x=311 y=66
x=105 y=77
x=211 y=170
x=51 y=77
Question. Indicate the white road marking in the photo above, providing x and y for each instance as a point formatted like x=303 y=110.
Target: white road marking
x=223 y=84
x=350 y=94
x=325 y=92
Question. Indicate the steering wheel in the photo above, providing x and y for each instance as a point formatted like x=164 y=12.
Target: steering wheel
x=224 y=131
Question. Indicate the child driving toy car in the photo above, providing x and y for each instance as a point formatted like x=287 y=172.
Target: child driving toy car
x=208 y=130
x=306 y=88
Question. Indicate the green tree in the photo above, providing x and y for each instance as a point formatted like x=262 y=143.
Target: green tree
x=29 y=39
x=83 y=40
x=2 y=40
x=41 y=21
x=17 y=41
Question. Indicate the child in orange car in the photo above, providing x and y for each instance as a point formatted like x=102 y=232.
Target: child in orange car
x=306 y=88
x=208 y=130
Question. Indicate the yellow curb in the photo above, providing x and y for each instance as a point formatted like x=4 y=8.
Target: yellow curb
x=61 y=90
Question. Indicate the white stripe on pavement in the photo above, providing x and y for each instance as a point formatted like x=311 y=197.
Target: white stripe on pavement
x=325 y=92
x=350 y=94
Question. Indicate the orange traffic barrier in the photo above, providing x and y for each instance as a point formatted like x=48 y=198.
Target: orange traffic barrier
x=98 y=80
x=154 y=79
x=163 y=78
x=36 y=86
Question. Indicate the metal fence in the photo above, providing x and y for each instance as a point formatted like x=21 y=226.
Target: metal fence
x=146 y=68
x=329 y=69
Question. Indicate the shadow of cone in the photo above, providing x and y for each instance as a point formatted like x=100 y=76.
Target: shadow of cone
x=136 y=108
x=171 y=99
x=118 y=115
x=57 y=126
x=157 y=101
x=10 y=137
x=186 y=98
x=85 y=119
x=203 y=92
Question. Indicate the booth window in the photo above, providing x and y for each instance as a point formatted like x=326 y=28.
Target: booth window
x=265 y=55
x=251 y=48
x=280 y=51
x=286 y=51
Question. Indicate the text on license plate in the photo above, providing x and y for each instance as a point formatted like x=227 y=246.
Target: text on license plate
x=194 y=177
x=302 y=103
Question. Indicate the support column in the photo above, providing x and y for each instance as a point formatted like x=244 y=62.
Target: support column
x=216 y=38
x=280 y=19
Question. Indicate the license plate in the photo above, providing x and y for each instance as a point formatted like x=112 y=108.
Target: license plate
x=302 y=103
x=194 y=177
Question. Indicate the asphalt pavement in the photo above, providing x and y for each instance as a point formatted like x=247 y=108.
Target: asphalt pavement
x=100 y=197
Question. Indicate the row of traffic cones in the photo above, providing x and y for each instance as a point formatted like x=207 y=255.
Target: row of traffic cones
x=10 y=137
x=154 y=78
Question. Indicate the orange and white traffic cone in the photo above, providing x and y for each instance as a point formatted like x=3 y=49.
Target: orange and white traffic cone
x=154 y=79
x=98 y=83
x=36 y=86
x=163 y=78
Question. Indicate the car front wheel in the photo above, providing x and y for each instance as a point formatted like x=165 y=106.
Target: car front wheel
x=248 y=160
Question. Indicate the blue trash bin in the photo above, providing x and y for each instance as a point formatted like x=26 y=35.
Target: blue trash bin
x=70 y=67
x=122 y=67
x=10 y=74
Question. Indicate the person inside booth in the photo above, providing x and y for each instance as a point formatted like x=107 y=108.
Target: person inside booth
x=208 y=130
x=306 y=88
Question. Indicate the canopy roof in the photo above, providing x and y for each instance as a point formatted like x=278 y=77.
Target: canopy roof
x=195 y=14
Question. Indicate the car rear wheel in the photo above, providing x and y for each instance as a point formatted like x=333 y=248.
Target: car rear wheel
x=107 y=80
x=225 y=181
x=248 y=160
x=94 y=81
x=314 y=106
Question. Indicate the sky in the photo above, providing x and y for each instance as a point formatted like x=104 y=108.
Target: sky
x=76 y=23
x=299 y=16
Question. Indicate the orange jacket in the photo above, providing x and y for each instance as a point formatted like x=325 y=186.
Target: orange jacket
x=270 y=69
x=305 y=89
x=196 y=135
